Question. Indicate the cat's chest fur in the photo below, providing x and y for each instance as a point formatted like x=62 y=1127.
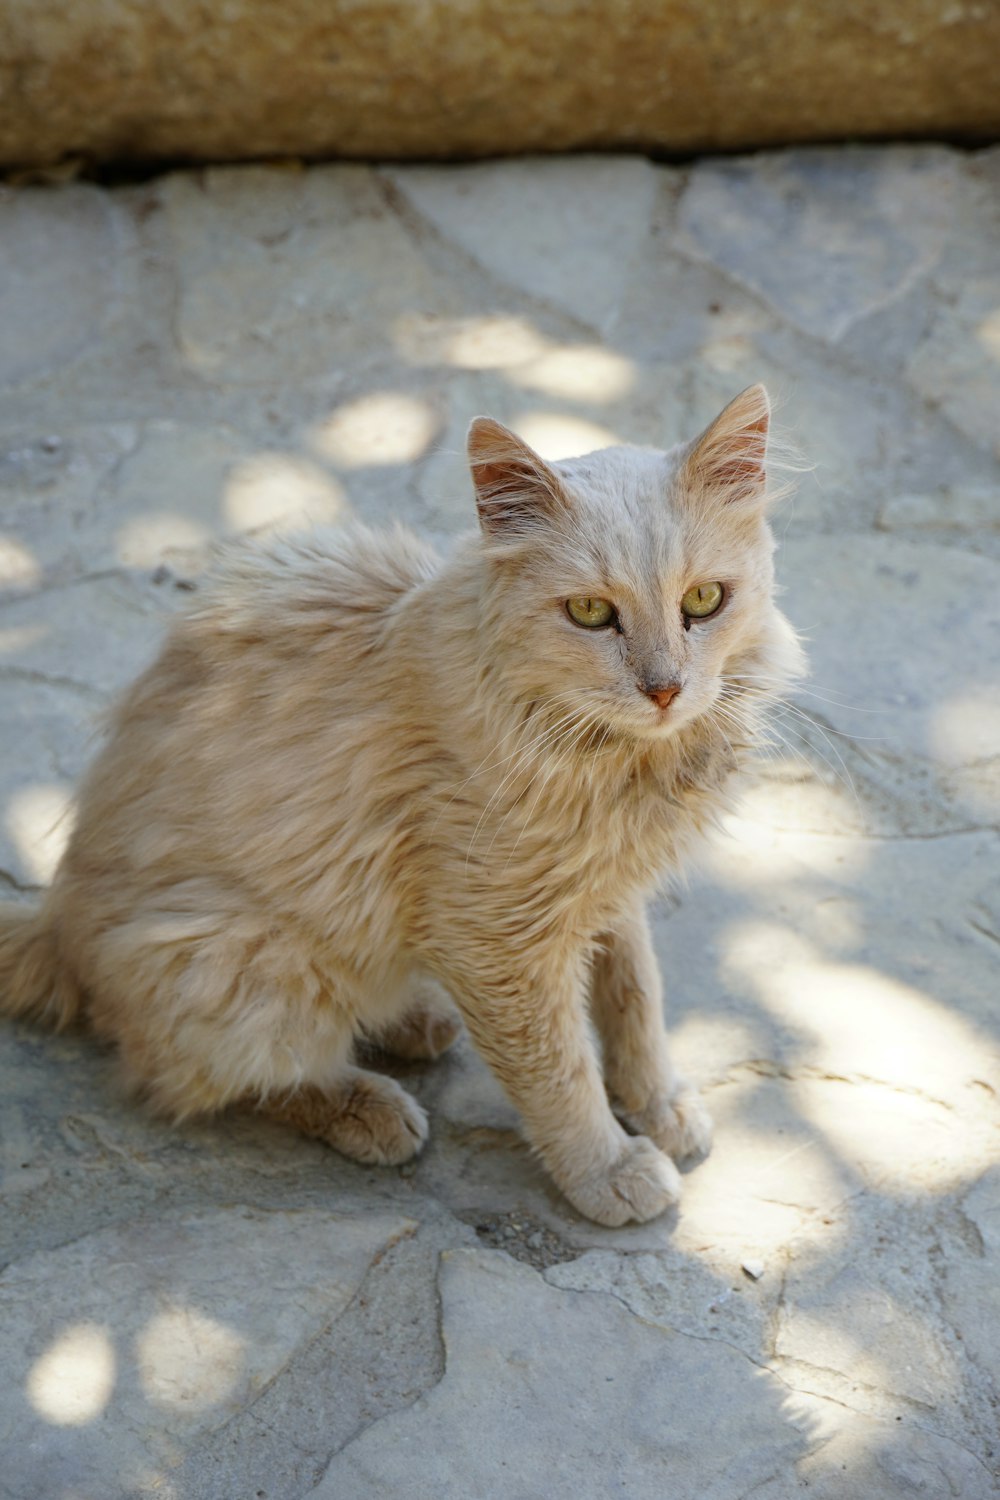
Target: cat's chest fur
x=572 y=850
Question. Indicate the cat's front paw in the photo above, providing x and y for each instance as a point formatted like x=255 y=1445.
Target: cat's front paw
x=680 y=1125
x=641 y=1184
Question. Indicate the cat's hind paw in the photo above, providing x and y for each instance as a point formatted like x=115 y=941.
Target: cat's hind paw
x=642 y=1184
x=378 y=1123
x=427 y=1026
x=421 y=1035
x=367 y=1117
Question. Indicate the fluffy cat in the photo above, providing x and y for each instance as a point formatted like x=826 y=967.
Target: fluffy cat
x=359 y=780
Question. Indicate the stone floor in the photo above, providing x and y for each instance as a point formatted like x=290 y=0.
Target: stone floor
x=224 y=1312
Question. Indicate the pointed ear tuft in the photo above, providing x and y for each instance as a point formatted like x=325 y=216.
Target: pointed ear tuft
x=729 y=457
x=516 y=491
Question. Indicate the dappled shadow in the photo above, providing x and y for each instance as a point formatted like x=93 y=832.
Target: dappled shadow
x=831 y=981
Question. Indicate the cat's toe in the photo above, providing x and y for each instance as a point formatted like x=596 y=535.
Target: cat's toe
x=642 y=1184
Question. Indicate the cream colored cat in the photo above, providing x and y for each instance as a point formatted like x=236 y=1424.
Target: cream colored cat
x=359 y=777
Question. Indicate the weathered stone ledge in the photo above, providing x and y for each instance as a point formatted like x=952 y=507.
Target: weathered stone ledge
x=120 y=80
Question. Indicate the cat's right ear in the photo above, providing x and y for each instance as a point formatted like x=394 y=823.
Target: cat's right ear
x=516 y=491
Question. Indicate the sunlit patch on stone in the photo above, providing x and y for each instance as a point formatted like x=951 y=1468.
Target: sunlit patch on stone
x=792 y=796
x=20 y=636
x=188 y=1361
x=729 y=355
x=967 y=728
x=146 y=540
x=277 y=490
x=757 y=851
x=40 y=820
x=71 y=1382
x=384 y=428
x=579 y=372
x=861 y=1023
x=488 y=343
x=154 y=1483
x=18 y=566
x=988 y=333
x=761 y=1188
x=555 y=435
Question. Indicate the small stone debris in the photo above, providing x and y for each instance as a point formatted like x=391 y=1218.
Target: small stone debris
x=523 y=1238
x=753 y=1268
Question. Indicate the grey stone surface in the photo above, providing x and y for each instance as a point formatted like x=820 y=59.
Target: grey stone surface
x=61 y=278
x=638 y=1408
x=129 y=1346
x=224 y=1310
x=828 y=237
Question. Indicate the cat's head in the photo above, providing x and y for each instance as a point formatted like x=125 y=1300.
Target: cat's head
x=633 y=586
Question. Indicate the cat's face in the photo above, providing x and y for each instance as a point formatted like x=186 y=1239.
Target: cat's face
x=631 y=586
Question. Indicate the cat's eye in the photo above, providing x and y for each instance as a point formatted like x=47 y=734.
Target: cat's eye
x=592 y=614
x=703 y=600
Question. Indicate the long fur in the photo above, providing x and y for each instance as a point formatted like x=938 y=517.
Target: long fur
x=356 y=773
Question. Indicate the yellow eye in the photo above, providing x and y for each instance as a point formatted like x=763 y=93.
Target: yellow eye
x=590 y=613
x=703 y=600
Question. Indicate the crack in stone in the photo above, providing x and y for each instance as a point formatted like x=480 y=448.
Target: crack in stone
x=324 y=1464
x=778 y=1311
x=785 y=1366
x=830 y=346
x=765 y=1067
x=945 y=833
x=53 y=584
x=423 y=228
x=51 y=679
x=914 y=1408
x=650 y=1322
x=970 y=1231
x=782 y=1369
x=984 y=931
x=976 y=1379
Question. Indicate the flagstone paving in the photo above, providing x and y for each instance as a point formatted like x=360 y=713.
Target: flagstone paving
x=227 y=1312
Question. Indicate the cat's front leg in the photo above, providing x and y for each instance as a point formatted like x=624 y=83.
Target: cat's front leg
x=626 y=999
x=532 y=1031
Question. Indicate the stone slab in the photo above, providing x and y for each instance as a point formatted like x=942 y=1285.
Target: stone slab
x=135 y=1343
x=567 y=1385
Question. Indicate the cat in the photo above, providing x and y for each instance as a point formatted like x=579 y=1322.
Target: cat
x=363 y=791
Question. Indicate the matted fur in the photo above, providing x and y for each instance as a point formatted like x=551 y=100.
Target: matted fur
x=358 y=777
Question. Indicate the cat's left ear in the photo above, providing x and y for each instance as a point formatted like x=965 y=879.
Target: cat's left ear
x=516 y=491
x=728 y=461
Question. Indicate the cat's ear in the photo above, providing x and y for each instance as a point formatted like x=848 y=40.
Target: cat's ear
x=516 y=491
x=728 y=461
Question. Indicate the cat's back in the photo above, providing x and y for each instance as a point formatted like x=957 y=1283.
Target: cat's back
x=281 y=667
x=335 y=580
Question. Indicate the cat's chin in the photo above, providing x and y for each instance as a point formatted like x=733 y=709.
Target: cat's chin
x=663 y=727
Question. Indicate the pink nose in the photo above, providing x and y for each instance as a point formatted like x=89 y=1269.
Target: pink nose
x=664 y=696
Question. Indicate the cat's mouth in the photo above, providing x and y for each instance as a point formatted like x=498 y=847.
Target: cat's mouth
x=665 y=712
